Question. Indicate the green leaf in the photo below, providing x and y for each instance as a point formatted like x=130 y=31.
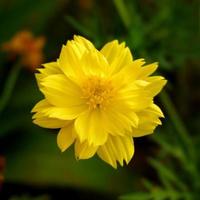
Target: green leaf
x=168 y=177
x=158 y=194
x=170 y=147
x=79 y=27
x=137 y=196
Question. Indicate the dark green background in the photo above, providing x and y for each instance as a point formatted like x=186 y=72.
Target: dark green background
x=166 y=164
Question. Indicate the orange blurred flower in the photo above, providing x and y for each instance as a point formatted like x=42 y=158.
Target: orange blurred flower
x=86 y=4
x=29 y=48
x=2 y=166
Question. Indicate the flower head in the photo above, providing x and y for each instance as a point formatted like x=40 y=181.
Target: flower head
x=24 y=44
x=100 y=100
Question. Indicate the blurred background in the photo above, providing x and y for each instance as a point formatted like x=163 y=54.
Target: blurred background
x=166 y=165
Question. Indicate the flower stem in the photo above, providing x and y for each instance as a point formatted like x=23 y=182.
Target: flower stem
x=9 y=86
x=122 y=10
x=178 y=124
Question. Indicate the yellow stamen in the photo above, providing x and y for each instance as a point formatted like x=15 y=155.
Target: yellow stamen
x=98 y=92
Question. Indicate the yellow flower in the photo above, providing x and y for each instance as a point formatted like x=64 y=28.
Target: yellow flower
x=100 y=100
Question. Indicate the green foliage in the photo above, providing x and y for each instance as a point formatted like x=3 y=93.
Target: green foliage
x=22 y=14
x=178 y=175
x=160 y=30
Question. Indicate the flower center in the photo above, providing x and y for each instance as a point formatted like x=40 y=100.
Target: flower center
x=98 y=92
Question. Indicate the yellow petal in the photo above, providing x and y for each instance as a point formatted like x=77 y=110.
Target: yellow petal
x=116 y=148
x=66 y=136
x=84 y=150
x=43 y=120
x=89 y=126
x=117 y=55
x=62 y=92
x=38 y=78
x=64 y=113
x=94 y=64
x=155 y=109
x=130 y=71
x=40 y=105
x=118 y=119
x=137 y=98
x=147 y=70
x=50 y=69
x=47 y=69
x=84 y=42
x=156 y=83
x=47 y=122
x=69 y=60
x=148 y=121
x=126 y=78
x=61 y=113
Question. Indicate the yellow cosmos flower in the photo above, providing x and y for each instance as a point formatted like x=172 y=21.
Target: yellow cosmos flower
x=100 y=100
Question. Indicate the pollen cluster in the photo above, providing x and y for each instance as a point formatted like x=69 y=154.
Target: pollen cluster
x=98 y=92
